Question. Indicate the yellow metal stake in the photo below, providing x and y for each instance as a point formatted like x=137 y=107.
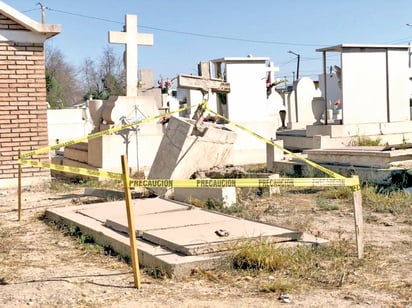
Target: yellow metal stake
x=130 y=221
x=19 y=190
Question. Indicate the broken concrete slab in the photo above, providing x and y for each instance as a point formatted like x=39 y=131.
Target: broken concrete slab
x=171 y=238
x=193 y=231
x=116 y=211
x=216 y=236
x=184 y=150
x=225 y=195
x=150 y=255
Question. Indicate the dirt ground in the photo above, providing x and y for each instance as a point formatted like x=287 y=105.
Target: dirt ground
x=43 y=267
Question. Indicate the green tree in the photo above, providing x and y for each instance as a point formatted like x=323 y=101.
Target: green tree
x=54 y=92
x=62 y=84
x=105 y=78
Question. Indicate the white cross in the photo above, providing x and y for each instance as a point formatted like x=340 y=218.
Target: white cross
x=131 y=38
x=272 y=69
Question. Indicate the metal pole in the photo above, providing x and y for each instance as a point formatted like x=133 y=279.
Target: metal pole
x=298 y=63
x=297 y=69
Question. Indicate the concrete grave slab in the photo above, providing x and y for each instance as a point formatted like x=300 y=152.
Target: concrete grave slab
x=116 y=211
x=194 y=240
x=167 y=220
x=150 y=255
x=366 y=156
x=193 y=231
x=175 y=237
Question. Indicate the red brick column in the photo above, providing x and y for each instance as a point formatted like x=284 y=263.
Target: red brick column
x=23 y=106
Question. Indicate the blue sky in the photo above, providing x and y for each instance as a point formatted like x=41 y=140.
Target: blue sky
x=187 y=32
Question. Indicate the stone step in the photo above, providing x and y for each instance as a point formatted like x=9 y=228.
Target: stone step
x=77 y=152
x=81 y=146
x=372 y=157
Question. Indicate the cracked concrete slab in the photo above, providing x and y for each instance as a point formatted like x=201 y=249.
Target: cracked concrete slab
x=172 y=236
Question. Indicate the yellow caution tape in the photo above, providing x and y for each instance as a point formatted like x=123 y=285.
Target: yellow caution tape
x=201 y=183
x=245 y=182
x=336 y=180
x=75 y=170
x=311 y=163
x=98 y=134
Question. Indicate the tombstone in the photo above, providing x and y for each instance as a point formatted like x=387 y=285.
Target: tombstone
x=131 y=38
x=334 y=91
x=273 y=97
x=189 y=97
x=192 y=144
x=146 y=80
x=299 y=111
x=374 y=80
x=140 y=142
x=184 y=150
x=371 y=84
x=203 y=83
x=247 y=105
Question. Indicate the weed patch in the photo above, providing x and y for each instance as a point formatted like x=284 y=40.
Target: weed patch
x=326 y=265
x=326 y=204
x=396 y=202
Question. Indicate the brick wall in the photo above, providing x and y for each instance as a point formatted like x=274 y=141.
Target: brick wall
x=23 y=104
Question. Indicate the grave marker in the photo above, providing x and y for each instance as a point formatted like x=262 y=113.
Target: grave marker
x=131 y=38
x=204 y=83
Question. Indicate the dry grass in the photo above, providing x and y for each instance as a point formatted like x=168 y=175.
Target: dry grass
x=298 y=266
x=397 y=202
x=303 y=267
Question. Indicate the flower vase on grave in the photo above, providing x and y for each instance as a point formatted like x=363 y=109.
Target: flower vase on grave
x=96 y=107
x=282 y=114
x=337 y=107
x=318 y=109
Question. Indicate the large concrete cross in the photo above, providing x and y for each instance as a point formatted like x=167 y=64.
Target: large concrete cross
x=131 y=38
x=203 y=83
x=271 y=69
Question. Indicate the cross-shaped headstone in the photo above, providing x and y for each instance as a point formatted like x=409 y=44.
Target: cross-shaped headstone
x=131 y=38
x=203 y=83
x=272 y=69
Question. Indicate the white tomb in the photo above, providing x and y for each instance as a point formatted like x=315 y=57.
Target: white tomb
x=139 y=143
x=247 y=103
x=299 y=104
x=373 y=87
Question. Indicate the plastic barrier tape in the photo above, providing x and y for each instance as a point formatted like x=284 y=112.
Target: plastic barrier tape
x=336 y=180
x=202 y=183
x=98 y=134
x=242 y=183
x=75 y=170
x=311 y=163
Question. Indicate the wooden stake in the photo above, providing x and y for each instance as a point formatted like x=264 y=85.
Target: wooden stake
x=130 y=221
x=19 y=189
x=357 y=208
